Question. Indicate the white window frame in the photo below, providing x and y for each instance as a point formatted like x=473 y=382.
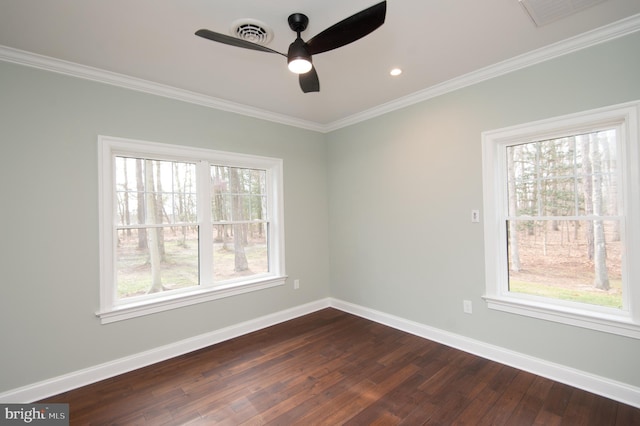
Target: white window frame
x=626 y=321
x=111 y=308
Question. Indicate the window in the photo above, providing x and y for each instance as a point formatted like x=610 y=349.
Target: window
x=181 y=225
x=562 y=228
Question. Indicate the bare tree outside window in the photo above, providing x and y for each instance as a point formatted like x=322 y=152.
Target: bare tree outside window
x=153 y=233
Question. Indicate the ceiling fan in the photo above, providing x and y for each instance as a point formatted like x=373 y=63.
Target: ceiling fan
x=299 y=55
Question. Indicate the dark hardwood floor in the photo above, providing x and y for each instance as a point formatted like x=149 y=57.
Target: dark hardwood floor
x=333 y=368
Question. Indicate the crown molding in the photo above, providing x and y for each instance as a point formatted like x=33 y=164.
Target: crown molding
x=72 y=69
x=591 y=38
x=600 y=35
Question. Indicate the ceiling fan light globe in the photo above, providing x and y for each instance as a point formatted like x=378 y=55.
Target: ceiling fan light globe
x=299 y=66
x=298 y=58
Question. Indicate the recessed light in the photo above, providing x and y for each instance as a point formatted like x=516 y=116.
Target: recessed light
x=395 y=72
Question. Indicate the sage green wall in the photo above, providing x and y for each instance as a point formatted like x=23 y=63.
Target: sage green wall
x=402 y=187
x=49 y=124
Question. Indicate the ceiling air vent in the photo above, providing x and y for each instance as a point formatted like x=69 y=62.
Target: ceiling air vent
x=252 y=30
x=545 y=11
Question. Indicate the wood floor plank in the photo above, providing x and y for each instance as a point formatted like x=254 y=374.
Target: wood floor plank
x=482 y=397
x=508 y=402
x=360 y=400
x=627 y=415
x=334 y=368
x=531 y=403
x=579 y=409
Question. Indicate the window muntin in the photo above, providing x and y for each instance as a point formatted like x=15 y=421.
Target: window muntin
x=182 y=225
x=564 y=239
x=547 y=199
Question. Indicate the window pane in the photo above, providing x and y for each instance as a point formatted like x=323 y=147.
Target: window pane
x=184 y=192
x=238 y=194
x=152 y=260
x=564 y=177
x=166 y=188
x=130 y=190
x=578 y=261
x=240 y=250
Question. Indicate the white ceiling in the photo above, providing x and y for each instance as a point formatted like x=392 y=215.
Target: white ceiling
x=433 y=41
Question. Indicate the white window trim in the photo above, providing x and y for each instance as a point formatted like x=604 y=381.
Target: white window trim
x=112 y=310
x=624 y=322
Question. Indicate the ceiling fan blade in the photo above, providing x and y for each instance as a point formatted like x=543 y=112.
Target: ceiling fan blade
x=309 y=81
x=233 y=41
x=348 y=30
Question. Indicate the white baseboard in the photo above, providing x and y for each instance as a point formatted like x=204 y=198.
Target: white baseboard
x=618 y=391
x=56 y=385
x=608 y=388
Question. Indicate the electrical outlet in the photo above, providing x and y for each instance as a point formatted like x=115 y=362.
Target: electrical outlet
x=296 y=284
x=475 y=216
x=467 y=307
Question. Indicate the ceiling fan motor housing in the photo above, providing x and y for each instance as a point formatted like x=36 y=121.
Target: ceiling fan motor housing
x=298 y=22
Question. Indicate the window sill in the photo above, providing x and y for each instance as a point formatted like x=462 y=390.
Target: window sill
x=620 y=324
x=133 y=310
